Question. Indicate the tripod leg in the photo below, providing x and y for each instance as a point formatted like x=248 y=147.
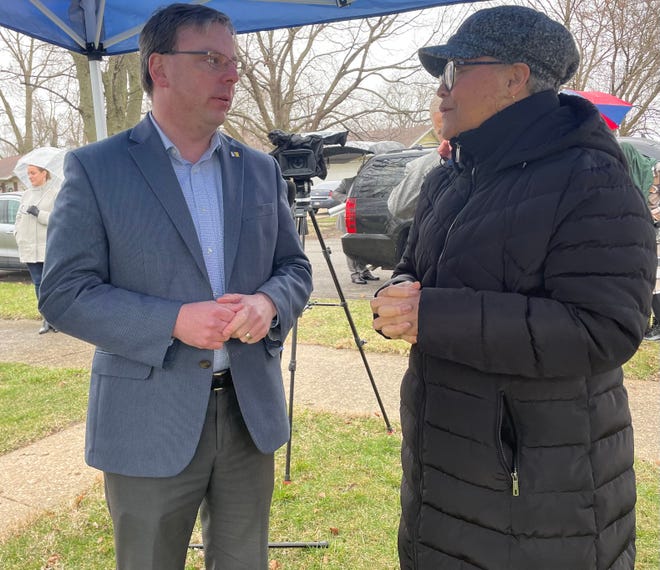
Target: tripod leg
x=356 y=337
x=292 y=375
x=320 y=544
x=302 y=228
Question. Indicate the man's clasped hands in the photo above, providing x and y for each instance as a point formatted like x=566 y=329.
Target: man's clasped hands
x=209 y=324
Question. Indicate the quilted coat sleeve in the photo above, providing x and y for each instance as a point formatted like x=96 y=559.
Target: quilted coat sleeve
x=590 y=310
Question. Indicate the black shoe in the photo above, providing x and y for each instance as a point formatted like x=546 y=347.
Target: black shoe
x=357 y=279
x=653 y=333
x=45 y=327
x=369 y=276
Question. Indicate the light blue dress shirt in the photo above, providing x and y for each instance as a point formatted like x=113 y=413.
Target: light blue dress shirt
x=201 y=184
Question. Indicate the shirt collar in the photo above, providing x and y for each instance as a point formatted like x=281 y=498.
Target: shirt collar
x=173 y=151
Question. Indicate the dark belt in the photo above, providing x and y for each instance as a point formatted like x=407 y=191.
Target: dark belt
x=221 y=380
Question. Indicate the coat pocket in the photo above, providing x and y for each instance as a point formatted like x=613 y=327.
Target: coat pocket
x=508 y=442
x=108 y=364
x=259 y=210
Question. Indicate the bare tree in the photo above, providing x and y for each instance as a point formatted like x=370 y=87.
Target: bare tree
x=45 y=91
x=123 y=93
x=619 y=42
x=33 y=79
x=360 y=75
x=399 y=106
x=123 y=90
x=334 y=76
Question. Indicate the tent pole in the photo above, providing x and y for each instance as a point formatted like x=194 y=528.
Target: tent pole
x=97 y=98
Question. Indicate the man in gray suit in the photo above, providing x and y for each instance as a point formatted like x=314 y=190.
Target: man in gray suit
x=172 y=248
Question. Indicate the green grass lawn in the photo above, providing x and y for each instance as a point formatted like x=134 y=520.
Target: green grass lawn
x=17 y=300
x=345 y=471
x=37 y=402
x=344 y=490
x=327 y=326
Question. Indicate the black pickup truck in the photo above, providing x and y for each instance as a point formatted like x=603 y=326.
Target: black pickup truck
x=376 y=237
x=373 y=235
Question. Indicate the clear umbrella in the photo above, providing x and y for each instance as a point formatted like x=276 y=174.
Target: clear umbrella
x=48 y=157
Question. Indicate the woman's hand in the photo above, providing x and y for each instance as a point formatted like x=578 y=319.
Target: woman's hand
x=396 y=311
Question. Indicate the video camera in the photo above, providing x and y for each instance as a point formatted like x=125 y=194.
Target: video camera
x=301 y=156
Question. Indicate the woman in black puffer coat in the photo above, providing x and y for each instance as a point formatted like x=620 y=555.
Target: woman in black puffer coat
x=533 y=260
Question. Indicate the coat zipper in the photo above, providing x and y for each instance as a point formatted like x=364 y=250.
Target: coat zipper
x=513 y=467
x=473 y=183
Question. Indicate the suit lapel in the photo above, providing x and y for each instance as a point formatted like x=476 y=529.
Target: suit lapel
x=154 y=163
x=232 y=166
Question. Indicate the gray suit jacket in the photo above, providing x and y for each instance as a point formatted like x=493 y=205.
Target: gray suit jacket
x=123 y=256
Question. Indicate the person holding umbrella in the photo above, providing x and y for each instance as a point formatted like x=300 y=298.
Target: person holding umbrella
x=525 y=285
x=41 y=172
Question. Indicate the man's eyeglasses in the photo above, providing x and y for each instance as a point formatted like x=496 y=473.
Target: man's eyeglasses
x=217 y=62
x=449 y=73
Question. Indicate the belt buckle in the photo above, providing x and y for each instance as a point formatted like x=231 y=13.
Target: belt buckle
x=220 y=375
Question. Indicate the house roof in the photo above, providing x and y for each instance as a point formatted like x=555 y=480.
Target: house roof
x=7 y=166
x=408 y=136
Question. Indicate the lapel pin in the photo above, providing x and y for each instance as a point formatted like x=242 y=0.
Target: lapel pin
x=235 y=154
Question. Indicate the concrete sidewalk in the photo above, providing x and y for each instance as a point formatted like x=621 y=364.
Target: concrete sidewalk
x=52 y=471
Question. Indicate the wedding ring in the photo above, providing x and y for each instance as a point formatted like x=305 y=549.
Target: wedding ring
x=248 y=335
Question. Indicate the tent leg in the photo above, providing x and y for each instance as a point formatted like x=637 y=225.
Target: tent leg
x=97 y=98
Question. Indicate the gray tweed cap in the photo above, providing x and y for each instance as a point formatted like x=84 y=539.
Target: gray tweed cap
x=511 y=34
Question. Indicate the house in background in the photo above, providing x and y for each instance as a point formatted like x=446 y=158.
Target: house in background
x=8 y=181
x=345 y=161
x=356 y=152
x=426 y=138
x=341 y=163
x=419 y=135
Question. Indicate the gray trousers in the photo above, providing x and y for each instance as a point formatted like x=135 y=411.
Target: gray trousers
x=354 y=266
x=228 y=481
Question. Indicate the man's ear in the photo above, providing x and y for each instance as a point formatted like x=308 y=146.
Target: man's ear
x=157 y=70
x=518 y=80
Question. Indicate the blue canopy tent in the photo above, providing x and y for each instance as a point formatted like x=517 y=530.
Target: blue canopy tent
x=98 y=28
x=111 y=27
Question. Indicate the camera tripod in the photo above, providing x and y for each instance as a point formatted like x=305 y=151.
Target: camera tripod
x=302 y=210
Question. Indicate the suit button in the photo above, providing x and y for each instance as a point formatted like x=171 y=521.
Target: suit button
x=205 y=364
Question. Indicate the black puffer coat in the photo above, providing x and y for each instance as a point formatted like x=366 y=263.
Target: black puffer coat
x=536 y=256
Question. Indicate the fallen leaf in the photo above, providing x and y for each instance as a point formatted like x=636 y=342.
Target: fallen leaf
x=79 y=499
x=53 y=559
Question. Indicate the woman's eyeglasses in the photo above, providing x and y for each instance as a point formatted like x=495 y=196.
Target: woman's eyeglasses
x=449 y=73
x=217 y=62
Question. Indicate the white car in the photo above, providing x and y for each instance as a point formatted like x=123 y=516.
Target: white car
x=9 y=203
x=321 y=195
